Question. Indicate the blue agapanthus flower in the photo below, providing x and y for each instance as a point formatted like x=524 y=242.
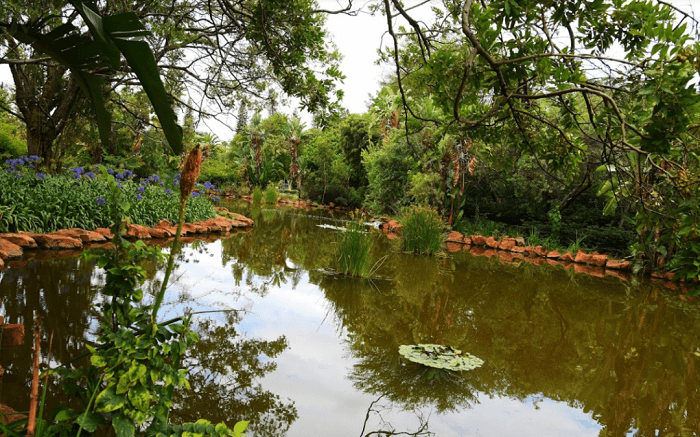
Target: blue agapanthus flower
x=110 y=170
x=90 y=174
x=195 y=194
x=154 y=178
x=40 y=176
x=142 y=189
x=139 y=197
x=34 y=158
x=100 y=201
x=162 y=184
x=168 y=191
x=119 y=176
x=128 y=173
x=207 y=185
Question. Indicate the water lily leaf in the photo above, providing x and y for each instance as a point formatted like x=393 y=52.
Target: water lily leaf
x=439 y=356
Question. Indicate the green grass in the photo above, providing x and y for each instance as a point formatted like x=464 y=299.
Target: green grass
x=422 y=230
x=353 y=251
x=271 y=194
x=257 y=195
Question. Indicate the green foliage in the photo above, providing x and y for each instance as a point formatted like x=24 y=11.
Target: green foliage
x=271 y=194
x=388 y=168
x=257 y=195
x=11 y=145
x=423 y=230
x=353 y=251
x=440 y=357
x=355 y=136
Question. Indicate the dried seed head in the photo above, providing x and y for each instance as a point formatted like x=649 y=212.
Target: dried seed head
x=190 y=171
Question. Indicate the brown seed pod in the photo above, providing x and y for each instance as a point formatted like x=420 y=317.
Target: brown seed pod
x=190 y=171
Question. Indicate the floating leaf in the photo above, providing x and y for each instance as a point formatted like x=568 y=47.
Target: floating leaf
x=439 y=356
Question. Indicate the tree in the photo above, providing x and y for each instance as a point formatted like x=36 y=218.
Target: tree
x=293 y=132
x=217 y=52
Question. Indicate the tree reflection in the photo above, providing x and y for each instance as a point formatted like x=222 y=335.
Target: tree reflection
x=224 y=367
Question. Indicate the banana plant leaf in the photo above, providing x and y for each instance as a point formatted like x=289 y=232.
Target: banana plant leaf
x=94 y=55
x=439 y=356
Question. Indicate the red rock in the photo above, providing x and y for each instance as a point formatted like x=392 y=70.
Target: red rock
x=106 y=232
x=164 y=224
x=392 y=225
x=477 y=250
x=582 y=257
x=554 y=254
x=517 y=249
x=506 y=257
x=23 y=241
x=529 y=250
x=478 y=240
x=539 y=261
x=2 y=264
x=620 y=275
x=159 y=233
x=53 y=241
x=455 y=237
x=488 y=253
x=492 y=243
x=598 y=260
x=82 y=235
x=552 y=262
x=242 y=219
x=520 y=241
x=617 y=264
x=137 y=231
x=9 y=250
x=568 y=257
x=507 y=244
x=540 y=251
x=467 y=240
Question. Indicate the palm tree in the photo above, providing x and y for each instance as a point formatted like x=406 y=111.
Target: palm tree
x=293 y=132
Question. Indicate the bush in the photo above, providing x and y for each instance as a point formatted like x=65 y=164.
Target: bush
x=271 y=194
x=388 y=170
x=353 y=251
x=422 y=230
x=257 y=195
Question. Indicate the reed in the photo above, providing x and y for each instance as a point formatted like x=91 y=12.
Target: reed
x=257 y=195
x=271 y=194
x=422 y=230
x=353 y=251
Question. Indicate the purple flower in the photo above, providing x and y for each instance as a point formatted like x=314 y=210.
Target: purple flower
x=144 y=183
x=195 y=194
x=128 y=173
x=175 y=182
x=154 y=178
x=40 y=176
x=168 y=191
x=167 y=176
x=100 y=201
x=162 y=184
x=90 y=174
x=18 y=175
x=139 y=197
x=110 y=171
x=120 y=176
x=119 y=185
x=35 y=158
x=142 y=189
x=207 y=185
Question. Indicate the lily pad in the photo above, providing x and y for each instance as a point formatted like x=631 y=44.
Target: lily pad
x=439 y=356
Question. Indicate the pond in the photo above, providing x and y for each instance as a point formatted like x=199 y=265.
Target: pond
x=301 y=351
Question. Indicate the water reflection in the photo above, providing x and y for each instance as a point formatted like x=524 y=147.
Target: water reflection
x=316 y=350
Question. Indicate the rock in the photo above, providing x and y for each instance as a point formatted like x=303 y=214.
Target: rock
x=554 y=254
x=23 y=241
x=598 y=260
x=453 y=247
x=243 y=219
x=568 y=257
x=455 y=237
x=392 y=225
x=54 y=241
x=517 y=249
x=617 y=264
x=467 y=240
x=2 y=263
x=159 y=233
x=589 y=270
x=582 y=257
x=478 y=240
x=106 y=232
x=540 y=251
x=9 y=250
x=137 y=231
x=492 y=243
x=520 y=241
x=507 y=243
x=82 y=235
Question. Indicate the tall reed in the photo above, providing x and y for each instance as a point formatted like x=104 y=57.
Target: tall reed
x=353 y=251
x=271 y=194
x=257 y=195
x=422 y=230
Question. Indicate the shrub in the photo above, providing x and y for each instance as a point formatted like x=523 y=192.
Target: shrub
x=353 y=251
x=257 y=195
x=271 y=194
x=422 y=230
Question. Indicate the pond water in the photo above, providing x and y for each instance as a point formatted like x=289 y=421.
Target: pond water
x=310 y=353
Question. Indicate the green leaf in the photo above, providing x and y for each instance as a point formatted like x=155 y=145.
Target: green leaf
x=90 y=421
x=109 y=400
x=136 y=370
x=140 y=397
x=123 y=425
x=98 y=361
x=64 y=415
x=239 y=427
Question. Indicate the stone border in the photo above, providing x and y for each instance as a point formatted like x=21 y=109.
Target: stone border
x=13 y=245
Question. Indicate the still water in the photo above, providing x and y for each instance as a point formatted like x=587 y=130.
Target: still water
x=300 y=351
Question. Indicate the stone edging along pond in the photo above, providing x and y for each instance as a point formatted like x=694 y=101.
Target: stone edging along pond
x=13 y=245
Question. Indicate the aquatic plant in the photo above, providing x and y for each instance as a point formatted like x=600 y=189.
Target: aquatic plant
x=271 y=194
x=257 y=195
x=353 y=251
x=422 y=230
x=441 y=357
